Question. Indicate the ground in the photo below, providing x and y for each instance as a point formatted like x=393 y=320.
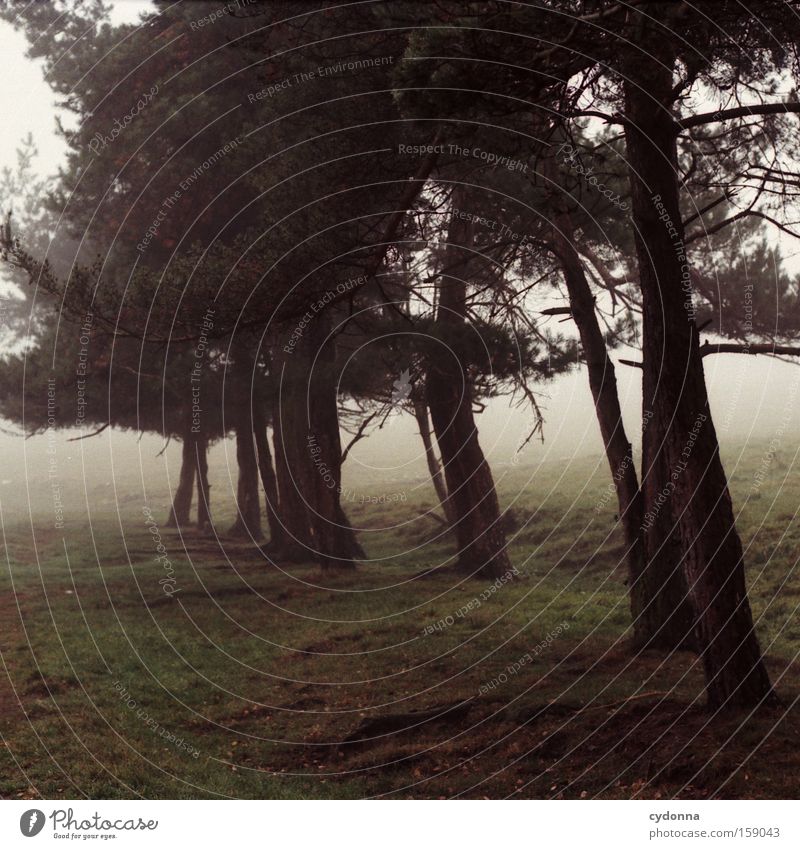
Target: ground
x=257 y=679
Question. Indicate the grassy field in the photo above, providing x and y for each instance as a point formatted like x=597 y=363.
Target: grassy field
x=263 y=680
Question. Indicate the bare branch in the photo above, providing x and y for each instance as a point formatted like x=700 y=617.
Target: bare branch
x=359 y=435
x=89 y=435
x=733 y=348
x=737 y=112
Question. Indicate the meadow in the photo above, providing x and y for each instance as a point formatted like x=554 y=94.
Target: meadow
x=254 y=679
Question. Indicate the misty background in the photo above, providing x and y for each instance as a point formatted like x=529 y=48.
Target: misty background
x=754 y=399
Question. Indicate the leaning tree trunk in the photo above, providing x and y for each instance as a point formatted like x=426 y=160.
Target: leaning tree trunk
x=308 y=452
x=203 y=487
x=334 y=538
x=680 y=433
x=434 y=466
x=660 y=608
x=660 y=597
x=269 y=482
x=179 y=515
x=472 y=497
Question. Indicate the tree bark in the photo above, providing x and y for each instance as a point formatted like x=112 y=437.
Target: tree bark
x=203 y=487
x=434 y=466
x=334 y=537
x=660 y=610
x=472 y=497
x=179 y=515
x=680 y=443
x=308 y=453
x=297 y=543
x=269 y=483
x=248 y=502
x=661 y=603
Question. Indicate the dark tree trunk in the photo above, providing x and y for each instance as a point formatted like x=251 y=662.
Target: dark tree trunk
x=248 y=502
x=180 y=514
x=269 y=483
x=680 y=442
x=472 y=497
x=434 y=466
x=203 y=487
x=660 y=600
x=287 y=417
x=660 y=608
x=334 y=538
x=308 y=453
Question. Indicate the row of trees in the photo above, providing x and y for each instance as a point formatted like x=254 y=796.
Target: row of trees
x=274 y=214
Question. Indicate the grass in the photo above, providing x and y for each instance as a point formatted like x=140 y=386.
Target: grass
x=256 y=680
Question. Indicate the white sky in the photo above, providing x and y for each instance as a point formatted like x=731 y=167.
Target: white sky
x=27 y=103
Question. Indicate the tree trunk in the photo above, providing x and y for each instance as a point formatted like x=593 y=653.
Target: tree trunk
x=297 y=544
x=334 y=538
x=661 y=604
x=472 y=497
x=308 y=452
x=179 y=515
x=434 y=466
x=248 y=501
x=680 y=442
x=203 y=487
x=269 y=483
x=660 y=609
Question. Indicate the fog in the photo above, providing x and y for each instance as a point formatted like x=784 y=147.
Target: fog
x=753 y=398
x=755 y=401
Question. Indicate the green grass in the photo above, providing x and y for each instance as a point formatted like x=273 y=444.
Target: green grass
x=258 y=671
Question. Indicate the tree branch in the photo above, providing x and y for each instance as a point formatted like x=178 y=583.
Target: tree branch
x=733 y=348
x=359 y=435
x=737 y=112
x=88 y=435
